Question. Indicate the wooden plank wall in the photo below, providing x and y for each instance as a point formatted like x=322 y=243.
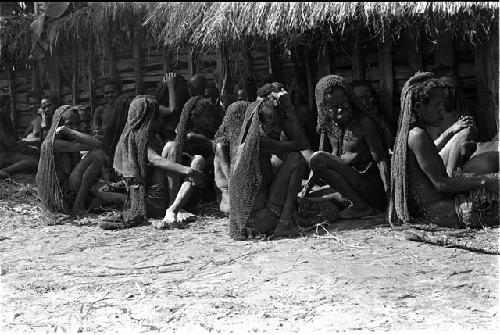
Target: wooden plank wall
x=368 y=59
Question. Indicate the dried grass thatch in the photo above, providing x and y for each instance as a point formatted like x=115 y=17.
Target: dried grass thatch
x=15 y=39
x=207 y=24
x=210 y=23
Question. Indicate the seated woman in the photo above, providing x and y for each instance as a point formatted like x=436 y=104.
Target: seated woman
x=420 y=186
x=193 y=143
x=12 y=161
x=64 y=179
x=42 y=121
x=358 y=167
x=138 y=160
x=225 y=140
x=263 y=188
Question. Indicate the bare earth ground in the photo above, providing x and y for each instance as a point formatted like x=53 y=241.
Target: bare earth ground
x=358 y=275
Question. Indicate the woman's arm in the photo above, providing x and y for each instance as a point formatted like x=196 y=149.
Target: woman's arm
x=431 y=164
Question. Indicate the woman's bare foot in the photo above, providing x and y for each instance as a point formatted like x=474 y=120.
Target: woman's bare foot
x=184 y=217
x=286 y=228
x=170 y=218
x=224 y=202
x=356 y=211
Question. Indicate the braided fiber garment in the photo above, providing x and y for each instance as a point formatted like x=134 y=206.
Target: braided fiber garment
x=229 y=130
x=193 y=105
x=246 y=176
x=479 y=207
x=324 y=125
x=49 y=189
x=131 y=156
x=112 y=134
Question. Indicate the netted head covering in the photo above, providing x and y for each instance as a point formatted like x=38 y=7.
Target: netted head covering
x=112 y=133
x=229 y=130
x=325 y=125
x=246 y=176
x=416 y=89
x=49 y=189
x=131 y=155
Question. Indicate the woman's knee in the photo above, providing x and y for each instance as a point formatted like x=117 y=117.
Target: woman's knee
x=171 y=149
x=97 y=156
x=317 y=161
x=198 y=162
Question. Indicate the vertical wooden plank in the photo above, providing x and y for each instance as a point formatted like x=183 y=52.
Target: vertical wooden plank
x=358 y=70
x=386 y=78
x=192 y=61
x=445 y=51
x=74 y=68
x=324 y=67
x=493 y=57
x=485 y=112
x=444 y=57
x=137 y=50
x=12 y=93
x=167 y=64
x=223 y=70
x=309 y=76
x=90 y=68
x=414 y=53
x=274 y=61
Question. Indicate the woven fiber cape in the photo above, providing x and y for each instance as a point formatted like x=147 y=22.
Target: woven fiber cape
x=335 y=131
x=119 y=118
x=49 y=189
x=245 y=177
x=131 y=156
x=183 y=125
x=229 y=131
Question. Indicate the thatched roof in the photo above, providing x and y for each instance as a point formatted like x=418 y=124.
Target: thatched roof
x=15 y=38
x=210 y=23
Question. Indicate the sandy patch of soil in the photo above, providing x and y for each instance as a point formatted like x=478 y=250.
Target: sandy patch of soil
x=358 y=275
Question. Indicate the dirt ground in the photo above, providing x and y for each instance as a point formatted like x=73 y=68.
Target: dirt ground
x=358 y=275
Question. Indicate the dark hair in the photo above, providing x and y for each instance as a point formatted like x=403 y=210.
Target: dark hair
x=115 y=82
x=422 y=91
x=269 y=88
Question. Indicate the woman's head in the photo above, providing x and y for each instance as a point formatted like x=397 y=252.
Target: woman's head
x=270 y=116
x=428 y=99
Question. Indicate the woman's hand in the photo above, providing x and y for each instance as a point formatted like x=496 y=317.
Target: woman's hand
x=463 y=122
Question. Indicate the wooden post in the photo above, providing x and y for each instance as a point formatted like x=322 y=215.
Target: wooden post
x=90 y=66
x=223 y=70
x=386 y=78
x=309 y=77
x=445 y=52
x=414 y=53
x=486 y=107
x=274 y=61
x=167 y=64
x=74 y=68
x=358 y=70
x=324 y=67
x=138 y=36
x=113 y=71
x=192 y=61
x=445 y=57
x=12 y=93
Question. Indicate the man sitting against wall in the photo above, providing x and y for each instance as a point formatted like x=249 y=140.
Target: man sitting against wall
x=40 y=125
x=12 y=161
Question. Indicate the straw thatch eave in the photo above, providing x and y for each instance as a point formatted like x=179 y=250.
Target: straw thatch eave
x=208 y=24
x=15 y=39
